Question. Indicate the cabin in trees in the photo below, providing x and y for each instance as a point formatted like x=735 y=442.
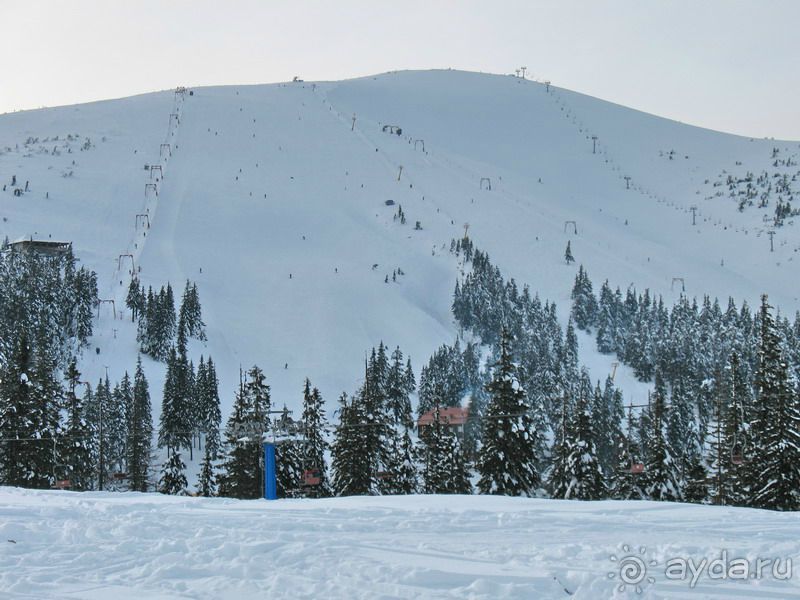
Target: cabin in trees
x=453 y=418
x=41 y=247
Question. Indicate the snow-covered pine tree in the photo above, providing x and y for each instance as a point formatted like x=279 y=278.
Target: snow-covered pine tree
x=352 y=473
x=736 y=445
x=173 y=476
x=397 y=391
x=774 y=468
x=171 y=427
x=315 y=445
x=140 y=432
x=46 y=395
x=584 y=304
x=207 y=398
x=432 y=449
x=661 y=477
x=404 y=476
x=207 y=481
x=98 y=411
x=191 y=314
x=459 y=480
x=117 y=423
x=581 y=477
x=179 y=415
x=607 y=416
x=377 y=421
x=695 y=479
x=242 y=475
x=507 y=459
x=607 y=326
x=289 y=468
x=75 y=448
x=144 y=327
x=625 y=484
x=135 y=300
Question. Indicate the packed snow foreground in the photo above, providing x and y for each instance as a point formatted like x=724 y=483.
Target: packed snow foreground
x=130 y=545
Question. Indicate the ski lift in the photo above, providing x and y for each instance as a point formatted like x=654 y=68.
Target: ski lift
x=61 y=484
x=384 y=475
x=637 y=468
x=312 y=477
x=737 y=459
x=119 y=476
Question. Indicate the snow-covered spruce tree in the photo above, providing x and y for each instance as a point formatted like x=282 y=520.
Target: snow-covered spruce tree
x=404 y=476
x=607 y=416
x=607 y=325
x=625 y=484
x=178 y=410
x=173 y=476
x=774 y=468
x=460 y=481
x=140 y=432
x=661 y=476
x=584 y=304
x=207 y=399
x=191 y=314
x=315 y=446
x=242 y=475
x=136 y=301
x=46 y=395
x=736 y=445
x=398 y=390
x=118 y=424
x=507 y=459
x=207 y=481
x=98 y=409
x=144 y=326
x=432 y=450
x=352 y=473
x=580 y=476
x=289 y=468
x=75 y=448
x=725 y=433
x=172 y=427
x=695 y=478
x=377 y=423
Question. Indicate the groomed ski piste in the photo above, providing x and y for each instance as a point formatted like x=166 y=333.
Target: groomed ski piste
x=95 y=546
x=273 y=199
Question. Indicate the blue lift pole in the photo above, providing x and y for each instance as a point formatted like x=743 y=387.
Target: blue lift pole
x=270 y=481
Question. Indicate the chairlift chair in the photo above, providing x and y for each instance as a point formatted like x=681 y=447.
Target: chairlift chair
x=637 y=468
x=312 y=477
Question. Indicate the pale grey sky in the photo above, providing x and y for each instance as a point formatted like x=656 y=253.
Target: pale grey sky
x=731 y=65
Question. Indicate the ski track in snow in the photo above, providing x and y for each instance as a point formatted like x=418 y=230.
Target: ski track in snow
x=110 y=545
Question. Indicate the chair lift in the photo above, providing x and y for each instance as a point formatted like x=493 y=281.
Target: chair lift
x=737 y=452
x=311 y=478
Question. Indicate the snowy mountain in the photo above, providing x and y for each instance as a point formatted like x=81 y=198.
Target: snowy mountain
x=275 y=199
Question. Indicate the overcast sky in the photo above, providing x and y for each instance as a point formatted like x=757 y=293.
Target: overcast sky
x=730 y=65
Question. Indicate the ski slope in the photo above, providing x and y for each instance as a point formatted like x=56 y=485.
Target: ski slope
x=91 y=546
x=273 y=199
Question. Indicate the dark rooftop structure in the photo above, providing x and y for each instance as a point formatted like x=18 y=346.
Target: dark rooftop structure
x=42 y=247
